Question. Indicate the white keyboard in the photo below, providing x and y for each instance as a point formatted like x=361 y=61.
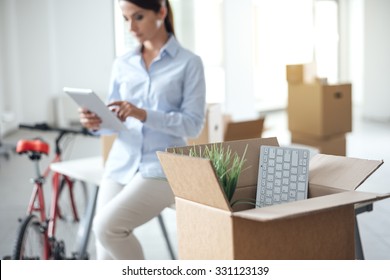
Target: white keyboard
x=283 y=175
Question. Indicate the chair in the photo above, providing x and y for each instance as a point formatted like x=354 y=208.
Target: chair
x=90 y=170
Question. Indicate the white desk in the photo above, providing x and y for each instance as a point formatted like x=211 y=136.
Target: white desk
x=87 y=169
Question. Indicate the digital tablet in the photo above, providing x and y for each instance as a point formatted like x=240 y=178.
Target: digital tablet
x=86 y=98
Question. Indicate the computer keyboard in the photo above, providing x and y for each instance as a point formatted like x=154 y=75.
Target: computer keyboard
x=283 y=175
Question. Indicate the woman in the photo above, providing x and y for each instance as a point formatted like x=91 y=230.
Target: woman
x=158 y=91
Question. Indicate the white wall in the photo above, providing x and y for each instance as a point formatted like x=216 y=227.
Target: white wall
x=49 y=44
x=2 y=106
x=376 y=60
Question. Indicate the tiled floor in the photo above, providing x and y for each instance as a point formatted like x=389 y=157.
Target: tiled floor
x=368 y=140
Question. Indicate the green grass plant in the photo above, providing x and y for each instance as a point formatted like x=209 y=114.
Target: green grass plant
x=227 y=165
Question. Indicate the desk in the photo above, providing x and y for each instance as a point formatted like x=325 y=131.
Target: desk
x=88 y=170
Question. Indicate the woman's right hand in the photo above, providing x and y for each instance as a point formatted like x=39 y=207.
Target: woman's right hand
x=89 y=120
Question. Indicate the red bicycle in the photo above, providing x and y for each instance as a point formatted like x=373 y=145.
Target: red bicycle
x=42 y=236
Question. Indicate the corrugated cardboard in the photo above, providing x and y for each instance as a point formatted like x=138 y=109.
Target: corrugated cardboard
x=244 y=129
x=106 y=144
x=213 y=128
x=320 y=110
x=295 y=73
x=321 y=227
x=332 y=145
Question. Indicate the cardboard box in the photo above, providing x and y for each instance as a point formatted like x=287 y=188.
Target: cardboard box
x=333 y=145
x=213 y=128
x=295 y=73
x=320 y=110
x=244 y=129
x=106 y=144
x=321 y=227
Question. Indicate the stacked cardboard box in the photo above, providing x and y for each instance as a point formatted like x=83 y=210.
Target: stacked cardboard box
x=319 y=114
x=320 y=227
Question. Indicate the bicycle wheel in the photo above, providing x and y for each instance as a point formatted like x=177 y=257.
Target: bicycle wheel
x=69 y=217
x=30 y=241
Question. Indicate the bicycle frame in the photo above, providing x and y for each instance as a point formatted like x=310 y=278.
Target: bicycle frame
x=37 y=201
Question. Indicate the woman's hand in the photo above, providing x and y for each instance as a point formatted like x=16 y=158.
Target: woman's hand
x=124 y=109
x=89 y=120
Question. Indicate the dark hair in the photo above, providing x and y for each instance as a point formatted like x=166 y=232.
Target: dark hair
x=155 y=5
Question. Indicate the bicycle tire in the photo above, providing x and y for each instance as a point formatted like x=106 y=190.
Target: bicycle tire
x=67 y=227
x=30 y=240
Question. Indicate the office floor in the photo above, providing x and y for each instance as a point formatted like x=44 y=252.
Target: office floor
x=368 y=140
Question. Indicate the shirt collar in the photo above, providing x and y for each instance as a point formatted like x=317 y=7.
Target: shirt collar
x=171 y=47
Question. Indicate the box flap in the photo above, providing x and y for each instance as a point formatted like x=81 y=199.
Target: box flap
x=193 y=179
x=340 y=172
x=307 y=206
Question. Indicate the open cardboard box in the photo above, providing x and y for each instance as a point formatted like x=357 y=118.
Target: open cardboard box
x=321 y=227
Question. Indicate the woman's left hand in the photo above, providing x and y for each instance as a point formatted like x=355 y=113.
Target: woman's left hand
x=124 y=109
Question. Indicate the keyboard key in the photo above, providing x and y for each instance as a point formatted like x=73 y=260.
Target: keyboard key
x=293 y=186
x=294 y=160
x=272 y=153
x=287 y=156
x=301 y=195
x=293 y=178
x=294 y=170
x=302 y=178
x=301 y=186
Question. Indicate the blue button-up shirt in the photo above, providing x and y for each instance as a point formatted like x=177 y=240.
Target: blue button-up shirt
x=172 y=91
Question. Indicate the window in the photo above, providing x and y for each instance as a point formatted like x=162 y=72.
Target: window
x=203 y=38
x=304 y=31
x=284 y=32
x=326 y=48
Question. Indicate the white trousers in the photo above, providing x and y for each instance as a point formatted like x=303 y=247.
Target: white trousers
x=122 y=208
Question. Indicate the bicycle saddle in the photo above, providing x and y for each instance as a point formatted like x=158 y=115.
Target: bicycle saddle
x=36 y=147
